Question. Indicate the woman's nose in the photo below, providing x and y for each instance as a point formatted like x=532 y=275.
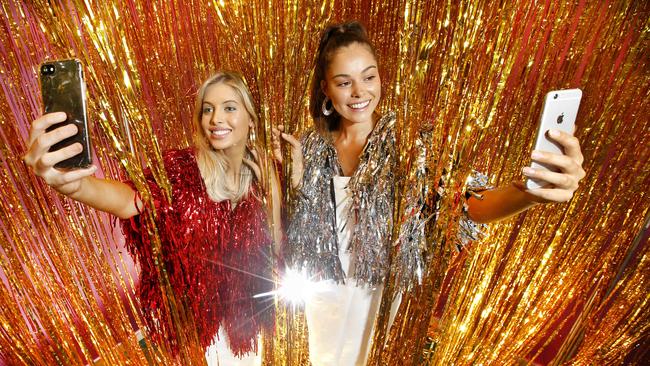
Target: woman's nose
x=357 y=90
x=215 y=118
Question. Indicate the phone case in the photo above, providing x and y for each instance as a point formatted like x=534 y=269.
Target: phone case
x=559 y=113
x=63 y=90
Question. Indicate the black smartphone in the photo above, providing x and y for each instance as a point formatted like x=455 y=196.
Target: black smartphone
x=64 y=90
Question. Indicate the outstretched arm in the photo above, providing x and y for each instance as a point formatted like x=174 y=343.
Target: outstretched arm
x=107 y=195
x=500 y=203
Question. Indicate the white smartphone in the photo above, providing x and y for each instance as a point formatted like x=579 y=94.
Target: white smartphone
x=559 y=113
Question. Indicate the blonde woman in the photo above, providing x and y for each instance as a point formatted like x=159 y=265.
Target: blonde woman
x=212 y=232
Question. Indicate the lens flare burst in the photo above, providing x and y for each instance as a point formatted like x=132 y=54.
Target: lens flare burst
x=295 y=288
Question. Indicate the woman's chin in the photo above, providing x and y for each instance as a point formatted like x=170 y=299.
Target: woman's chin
x=358 y=117
x=227 y=145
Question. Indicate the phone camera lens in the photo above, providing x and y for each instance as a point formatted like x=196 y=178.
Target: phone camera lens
x=47 y=69
x=555 y=96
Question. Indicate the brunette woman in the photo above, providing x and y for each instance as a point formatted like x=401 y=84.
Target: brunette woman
x=342 y=222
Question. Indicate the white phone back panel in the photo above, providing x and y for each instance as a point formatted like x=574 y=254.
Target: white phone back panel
x=559 y=113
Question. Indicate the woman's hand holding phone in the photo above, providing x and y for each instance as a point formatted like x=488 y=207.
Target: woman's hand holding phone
x=556 y=166
x=42 y=161
x=561 y=184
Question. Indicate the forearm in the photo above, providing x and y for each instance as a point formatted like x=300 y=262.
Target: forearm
x=107 y=195
x=276 y=202
x=498 y=204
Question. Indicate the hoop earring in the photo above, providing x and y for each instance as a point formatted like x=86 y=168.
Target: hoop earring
x=252 y=138
x=323 y=107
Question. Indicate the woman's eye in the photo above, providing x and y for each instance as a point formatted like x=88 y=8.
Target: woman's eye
x=371 y=77
x=345 y=83
x=207 y=110
x=230 y=109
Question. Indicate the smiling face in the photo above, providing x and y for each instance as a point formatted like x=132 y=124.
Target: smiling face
x=352 y=83
x=224 y=118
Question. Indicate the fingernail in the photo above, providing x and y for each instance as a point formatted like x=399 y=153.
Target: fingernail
x=536 y=154
x=554 y=133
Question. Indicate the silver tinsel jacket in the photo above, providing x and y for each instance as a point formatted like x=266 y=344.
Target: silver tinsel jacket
x=313 y=243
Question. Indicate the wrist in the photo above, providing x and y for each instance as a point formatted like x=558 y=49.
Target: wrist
x=296 y=177
x=530 y=198
x=296 y=184
x=74 y=191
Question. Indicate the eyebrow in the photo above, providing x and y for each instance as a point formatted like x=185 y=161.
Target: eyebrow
x=224 y=102
x=346 y=75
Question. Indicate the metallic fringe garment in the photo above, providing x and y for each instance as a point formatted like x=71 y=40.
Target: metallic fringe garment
x=312 y=230
x=208 y=249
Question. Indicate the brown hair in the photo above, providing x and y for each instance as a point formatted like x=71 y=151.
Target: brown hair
x=334 y=37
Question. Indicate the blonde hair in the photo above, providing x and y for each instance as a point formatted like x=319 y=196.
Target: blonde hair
x=212 y=163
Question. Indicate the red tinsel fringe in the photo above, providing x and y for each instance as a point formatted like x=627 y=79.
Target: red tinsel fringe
x=216 y=258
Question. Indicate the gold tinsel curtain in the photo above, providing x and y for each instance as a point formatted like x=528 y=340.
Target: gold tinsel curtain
x=569 y=277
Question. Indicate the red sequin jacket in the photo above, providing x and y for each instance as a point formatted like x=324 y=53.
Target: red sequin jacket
x=216 y=258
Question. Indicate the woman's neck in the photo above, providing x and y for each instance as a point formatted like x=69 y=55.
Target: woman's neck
x=349 y=141
x=355 y=131
x=234 y=156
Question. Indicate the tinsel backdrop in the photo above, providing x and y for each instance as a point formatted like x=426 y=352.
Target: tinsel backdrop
x=562 y=283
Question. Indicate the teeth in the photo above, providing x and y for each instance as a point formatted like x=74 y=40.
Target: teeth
x=360 y=105
x=220 y=132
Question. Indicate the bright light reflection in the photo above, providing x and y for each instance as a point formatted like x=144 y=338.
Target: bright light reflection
x=295 y=287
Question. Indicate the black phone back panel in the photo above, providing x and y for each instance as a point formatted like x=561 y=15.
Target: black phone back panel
x=63 y=90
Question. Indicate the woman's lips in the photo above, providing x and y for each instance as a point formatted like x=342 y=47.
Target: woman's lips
x=219 y=133
x=359 y=106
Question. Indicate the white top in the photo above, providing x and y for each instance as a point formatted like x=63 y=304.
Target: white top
x=219 y=354
x=340 y=318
